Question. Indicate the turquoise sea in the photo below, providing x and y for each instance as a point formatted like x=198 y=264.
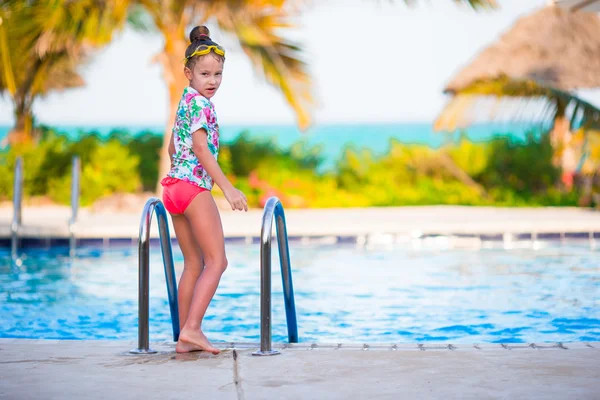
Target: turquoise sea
x=332 y=138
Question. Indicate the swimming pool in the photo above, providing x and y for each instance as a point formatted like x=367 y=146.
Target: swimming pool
x=344 y=294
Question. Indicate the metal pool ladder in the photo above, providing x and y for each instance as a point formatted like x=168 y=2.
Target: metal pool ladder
x=17 y=203
x=154 y=205
x=75 y=189
x=274 y=209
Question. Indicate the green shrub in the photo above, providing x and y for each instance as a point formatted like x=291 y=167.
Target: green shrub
x=107 y=167
x=248 y=154
x=524 y=167
x=111 y=169
x=473 y=158
x=146 y=147
x=39 y=163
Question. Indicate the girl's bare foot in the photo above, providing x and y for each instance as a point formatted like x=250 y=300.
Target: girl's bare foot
x=194 y=340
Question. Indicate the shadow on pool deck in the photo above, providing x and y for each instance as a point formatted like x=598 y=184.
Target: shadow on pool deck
x=53 y=369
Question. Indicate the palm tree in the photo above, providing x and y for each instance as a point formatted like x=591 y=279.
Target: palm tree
x=255 y=24
x=41 y=45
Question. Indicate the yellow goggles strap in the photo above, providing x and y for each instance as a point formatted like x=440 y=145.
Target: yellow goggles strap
x=203 y=50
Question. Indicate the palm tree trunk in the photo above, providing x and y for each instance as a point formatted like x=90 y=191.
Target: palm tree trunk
x=23 y=99
x=587 y=191
x=170 y=59
x=560 y=137
x=23 y=128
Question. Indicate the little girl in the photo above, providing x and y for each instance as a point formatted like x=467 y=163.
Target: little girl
x=193 y=148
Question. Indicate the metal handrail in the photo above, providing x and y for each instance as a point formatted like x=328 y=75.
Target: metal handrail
x=274 y=208
x=75 y=190
x=17 y=207
x=154 y=205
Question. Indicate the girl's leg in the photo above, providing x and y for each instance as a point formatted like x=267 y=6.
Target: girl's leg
x=193 y=264
x=204 y=219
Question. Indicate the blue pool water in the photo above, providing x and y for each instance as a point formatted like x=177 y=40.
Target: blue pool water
x=343 y=294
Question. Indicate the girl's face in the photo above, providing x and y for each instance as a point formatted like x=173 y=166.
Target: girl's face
x=205 y=76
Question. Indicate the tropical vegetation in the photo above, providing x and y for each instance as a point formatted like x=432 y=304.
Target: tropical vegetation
x=501 y=172
x=42 y=43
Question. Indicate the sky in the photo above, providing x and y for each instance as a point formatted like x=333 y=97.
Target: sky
x=371 y=61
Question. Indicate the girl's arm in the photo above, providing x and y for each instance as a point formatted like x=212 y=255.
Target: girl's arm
x=209 y=163
x=171 y=147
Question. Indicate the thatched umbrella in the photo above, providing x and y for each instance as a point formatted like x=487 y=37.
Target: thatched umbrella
x=553 y=47
x=532 y=70
x=579 y=5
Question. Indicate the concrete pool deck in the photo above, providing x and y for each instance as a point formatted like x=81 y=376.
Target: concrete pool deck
x=391 y=224
x=55 y=369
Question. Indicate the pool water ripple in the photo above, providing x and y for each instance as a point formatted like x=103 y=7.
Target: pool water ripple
x=343 y=294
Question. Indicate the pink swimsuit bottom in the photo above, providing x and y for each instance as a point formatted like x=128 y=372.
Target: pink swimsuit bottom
x=178 y=194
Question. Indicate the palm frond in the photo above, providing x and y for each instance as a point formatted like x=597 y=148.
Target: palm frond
x=7 y=76
x=67 y=24
x=479 y=4
x=140 y=19
x=516 y=101
x=36 y=66
x=155 y=10
x=58 y=72
x=256 y=28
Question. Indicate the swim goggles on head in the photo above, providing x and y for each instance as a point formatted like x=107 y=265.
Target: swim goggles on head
x=205 y=49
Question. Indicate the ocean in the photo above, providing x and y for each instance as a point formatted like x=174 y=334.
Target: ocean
x=331 y=138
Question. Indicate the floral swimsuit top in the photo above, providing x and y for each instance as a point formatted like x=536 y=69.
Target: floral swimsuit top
x=194 y=112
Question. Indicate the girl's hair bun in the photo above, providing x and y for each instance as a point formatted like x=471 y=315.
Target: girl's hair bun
x=199 y=33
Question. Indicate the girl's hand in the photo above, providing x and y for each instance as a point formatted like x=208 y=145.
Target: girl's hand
x=236 y=199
